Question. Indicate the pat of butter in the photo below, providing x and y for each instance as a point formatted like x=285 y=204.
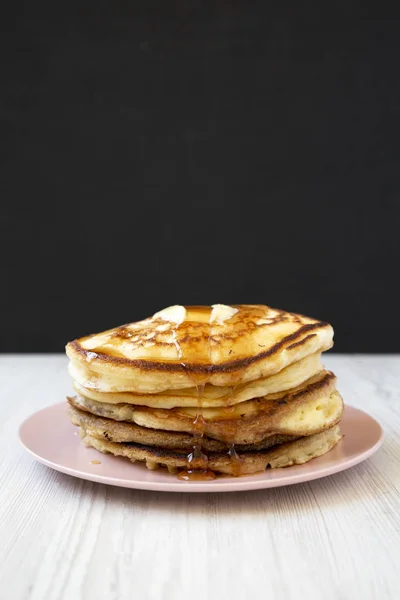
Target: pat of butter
x=173 y=314
x=221 y=313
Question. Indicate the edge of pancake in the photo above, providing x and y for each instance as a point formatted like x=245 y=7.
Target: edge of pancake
x=177 y=398
x=290 y=342
x=275 y=416
x=272 y=414
x=124 y=433
x=283 y=455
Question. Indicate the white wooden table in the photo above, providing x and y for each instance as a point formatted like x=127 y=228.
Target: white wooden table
x=63 y=538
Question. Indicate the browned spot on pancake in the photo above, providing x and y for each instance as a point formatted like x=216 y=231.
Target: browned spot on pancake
x=122 y=332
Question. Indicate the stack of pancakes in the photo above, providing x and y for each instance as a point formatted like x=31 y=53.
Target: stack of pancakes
x=203 y=390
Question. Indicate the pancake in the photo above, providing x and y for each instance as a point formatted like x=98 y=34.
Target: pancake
x=182 y=347
x=305 y=410
x=234 y=389
x=212 y=396
x=284 y=455
x=115 y=431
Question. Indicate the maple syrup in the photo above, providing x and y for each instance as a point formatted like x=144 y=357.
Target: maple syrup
x=230 y=414
x=236 y=462
x=197 y=460
x=195 y=475
x=190 y=350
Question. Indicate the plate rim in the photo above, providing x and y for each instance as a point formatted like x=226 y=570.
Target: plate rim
x=223 y=485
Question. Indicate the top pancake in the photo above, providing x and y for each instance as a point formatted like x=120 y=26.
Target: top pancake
x=184 y=346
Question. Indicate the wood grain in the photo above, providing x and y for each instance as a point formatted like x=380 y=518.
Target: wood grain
x=63 y=538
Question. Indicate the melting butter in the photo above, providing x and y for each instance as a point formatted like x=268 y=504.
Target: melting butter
x=221 y=313
x=174 y=314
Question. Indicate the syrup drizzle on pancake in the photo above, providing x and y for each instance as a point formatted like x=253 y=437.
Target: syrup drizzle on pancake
x=185 y=322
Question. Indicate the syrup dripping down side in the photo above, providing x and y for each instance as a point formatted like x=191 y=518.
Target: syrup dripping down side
x=197 y=460
x=236 y=461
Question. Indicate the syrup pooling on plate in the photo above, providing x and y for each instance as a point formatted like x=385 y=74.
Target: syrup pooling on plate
x=192 y=475
x=188 y=338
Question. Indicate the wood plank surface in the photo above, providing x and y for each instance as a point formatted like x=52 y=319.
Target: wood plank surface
x=63 y=538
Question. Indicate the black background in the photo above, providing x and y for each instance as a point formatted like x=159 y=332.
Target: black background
x=156 y=153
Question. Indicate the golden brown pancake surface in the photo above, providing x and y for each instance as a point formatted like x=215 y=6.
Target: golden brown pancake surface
x=182 y=346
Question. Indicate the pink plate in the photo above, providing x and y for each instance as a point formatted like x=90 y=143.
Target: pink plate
x=50 y=437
